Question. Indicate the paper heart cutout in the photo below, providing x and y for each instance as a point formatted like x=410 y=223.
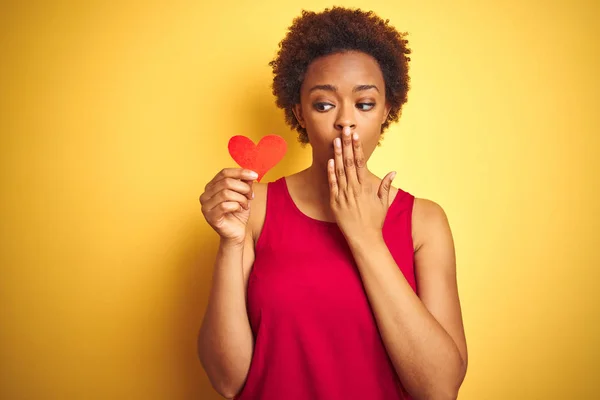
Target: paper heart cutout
x=259 y=158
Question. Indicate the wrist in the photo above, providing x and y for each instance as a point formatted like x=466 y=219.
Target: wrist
x=232 y=244
x=365 y=240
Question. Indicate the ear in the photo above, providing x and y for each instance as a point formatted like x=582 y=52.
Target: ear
x=386 y=112
x=297 y=110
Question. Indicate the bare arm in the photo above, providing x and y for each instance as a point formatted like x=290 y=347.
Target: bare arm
x=226 y=342
x=423 y=336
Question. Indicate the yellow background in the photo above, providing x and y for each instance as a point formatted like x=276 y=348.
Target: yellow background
x=113 y=118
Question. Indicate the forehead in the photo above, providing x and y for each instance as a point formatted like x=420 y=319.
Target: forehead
x=344 y=68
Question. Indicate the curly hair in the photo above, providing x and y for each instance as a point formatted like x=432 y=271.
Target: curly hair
x=337 y=30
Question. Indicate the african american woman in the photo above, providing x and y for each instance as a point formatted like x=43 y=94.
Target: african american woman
x=331 y=283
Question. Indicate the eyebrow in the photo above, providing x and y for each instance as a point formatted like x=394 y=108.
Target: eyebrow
x=331 y=88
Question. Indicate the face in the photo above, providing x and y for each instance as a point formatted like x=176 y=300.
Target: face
x=339 y=90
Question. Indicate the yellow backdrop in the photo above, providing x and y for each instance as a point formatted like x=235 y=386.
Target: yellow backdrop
x=113 y=118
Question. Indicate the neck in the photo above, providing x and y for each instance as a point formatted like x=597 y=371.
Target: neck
x=316 y=180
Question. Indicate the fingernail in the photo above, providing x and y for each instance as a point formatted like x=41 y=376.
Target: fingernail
x=253 y=174
x=252 y=194
x=355 y=136
x=392 y=176
x=338 y=142
x=347 y=130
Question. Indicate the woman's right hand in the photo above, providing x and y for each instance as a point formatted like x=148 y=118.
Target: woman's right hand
x=226 y=203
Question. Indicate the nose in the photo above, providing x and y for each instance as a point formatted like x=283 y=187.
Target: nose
x=342 y=126
x=345 y=118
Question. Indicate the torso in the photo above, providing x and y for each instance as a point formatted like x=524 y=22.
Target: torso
x=315 y=211
x=302 y=263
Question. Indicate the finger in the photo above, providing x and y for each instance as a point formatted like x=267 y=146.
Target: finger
x=226 y=195
x=250 y=184
x=340 y=172
x=348 y=154
x=221 y=209
x=237 y=173
x=333 y=185
x=236 y=185
x=385 y=187
x=227 y=173
x=359 y=159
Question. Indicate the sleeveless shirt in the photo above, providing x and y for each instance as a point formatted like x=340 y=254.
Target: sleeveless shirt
x=315 y=334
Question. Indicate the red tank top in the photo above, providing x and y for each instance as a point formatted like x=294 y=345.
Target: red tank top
x=315 y=333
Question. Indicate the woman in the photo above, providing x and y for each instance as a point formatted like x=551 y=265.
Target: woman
x=330 y=283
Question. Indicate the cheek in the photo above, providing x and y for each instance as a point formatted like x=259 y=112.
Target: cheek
x=319 y=128
x=367 y=151
x=318 y=120
x=369 y=145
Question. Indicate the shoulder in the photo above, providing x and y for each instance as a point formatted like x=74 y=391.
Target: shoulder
x=428 y=210
x=429 y=222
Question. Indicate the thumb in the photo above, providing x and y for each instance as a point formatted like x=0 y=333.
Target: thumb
x=384 y=188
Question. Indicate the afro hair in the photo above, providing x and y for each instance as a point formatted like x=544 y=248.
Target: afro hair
x=313 y=35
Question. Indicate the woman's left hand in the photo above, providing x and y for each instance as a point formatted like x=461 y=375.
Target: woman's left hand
x=359 y=210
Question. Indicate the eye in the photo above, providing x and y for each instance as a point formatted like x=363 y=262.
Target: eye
x=365 y=106
x=323 y=106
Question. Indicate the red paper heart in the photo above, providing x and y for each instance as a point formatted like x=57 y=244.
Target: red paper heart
x=259 y=158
